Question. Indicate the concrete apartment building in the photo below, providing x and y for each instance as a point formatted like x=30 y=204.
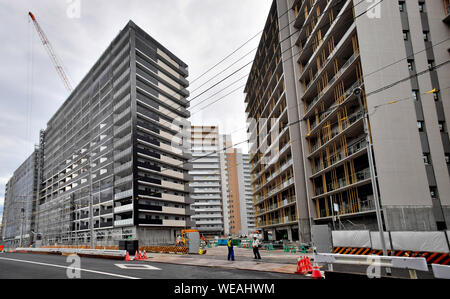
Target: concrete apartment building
x=120 y=138
x=208 y=181
x=19 y=211
x=221 y=184
x=239 y=193
x=309 y=160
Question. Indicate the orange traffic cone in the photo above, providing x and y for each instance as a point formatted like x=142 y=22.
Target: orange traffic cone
x=136 y=256
x=299 y=266
x=127 y=257
x=316 y=273
x=308 y=267
x=145 y=255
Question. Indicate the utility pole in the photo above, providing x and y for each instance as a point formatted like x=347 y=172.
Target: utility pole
x=91 y=209
x=332 y=211
x=22 y=216
x=357 y=92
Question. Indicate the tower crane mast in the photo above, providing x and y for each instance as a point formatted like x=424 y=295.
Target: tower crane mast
x=51 y=53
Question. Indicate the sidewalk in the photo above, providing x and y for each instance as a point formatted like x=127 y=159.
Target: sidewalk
x=271 y=261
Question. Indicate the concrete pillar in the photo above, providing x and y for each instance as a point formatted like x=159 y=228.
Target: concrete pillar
x=289 y=232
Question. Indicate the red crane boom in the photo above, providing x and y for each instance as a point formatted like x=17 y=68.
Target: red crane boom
x=51 y=53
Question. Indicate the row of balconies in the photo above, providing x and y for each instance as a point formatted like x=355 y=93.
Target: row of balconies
x=344 y=209
x=273 y=175
x=275 y=206
x=340 y=156
x=278 y=221
x=331 y=83
x=340 y=183
x=353 y=118
x=332 y=109
x=275 y=190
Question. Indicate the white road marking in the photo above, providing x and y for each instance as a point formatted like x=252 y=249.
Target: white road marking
x=65 y=267
x=136 y=267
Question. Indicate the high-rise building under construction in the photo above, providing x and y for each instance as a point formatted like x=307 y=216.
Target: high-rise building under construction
x=114 y=164
x=309 y=153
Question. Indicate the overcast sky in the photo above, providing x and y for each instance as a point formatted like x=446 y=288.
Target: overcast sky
x=199 y=32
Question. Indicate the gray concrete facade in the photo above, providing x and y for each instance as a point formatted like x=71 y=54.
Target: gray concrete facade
x=397 y=53
x=120 y=138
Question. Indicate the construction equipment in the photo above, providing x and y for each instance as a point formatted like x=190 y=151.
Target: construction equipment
x=51 y=53
x=190 y=238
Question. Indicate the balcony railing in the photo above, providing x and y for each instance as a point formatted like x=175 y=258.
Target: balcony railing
x=330 y=83
x=333 y=107
x=123 y=167
x=339 y=156
x=123 y=222
x=341 y=182
x=124 y=208
x=354 y=117
x=277 y=205
x=123 y=194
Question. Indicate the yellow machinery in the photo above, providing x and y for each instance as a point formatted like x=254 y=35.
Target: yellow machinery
x=190 y=238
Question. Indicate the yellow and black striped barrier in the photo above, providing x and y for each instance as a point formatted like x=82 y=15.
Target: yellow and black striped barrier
x=431 y=257
x=164 y=249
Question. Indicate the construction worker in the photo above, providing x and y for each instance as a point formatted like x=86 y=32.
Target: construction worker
x=255 y=246
x=230 y=249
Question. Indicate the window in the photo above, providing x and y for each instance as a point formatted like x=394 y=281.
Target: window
x=415 y=94
x=441 y=126
x=433 y=192
x=430 y=64
x=401 y=5
x=405 y=34
x=436 y=96
x=420 y=125
x=410 y=64
x=426 y=159
x=425 y=35
x=447 y=158
x=421 y=6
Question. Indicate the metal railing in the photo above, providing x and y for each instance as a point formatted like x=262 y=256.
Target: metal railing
x=354 y=117
x=341 y=182
x=330 y=82
x=340 y=155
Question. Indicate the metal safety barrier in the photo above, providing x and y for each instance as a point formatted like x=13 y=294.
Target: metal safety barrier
x=441 y=271
x=442 y=258
x=85 y=252
x=410 y=263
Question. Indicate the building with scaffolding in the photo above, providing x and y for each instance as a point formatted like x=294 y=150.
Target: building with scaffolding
x=19 y=211
x=309 y=152
x=114 y=164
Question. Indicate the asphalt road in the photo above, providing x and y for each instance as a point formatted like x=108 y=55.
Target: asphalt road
x=40 y=266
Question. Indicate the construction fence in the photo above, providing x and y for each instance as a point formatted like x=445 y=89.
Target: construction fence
x=433 y=245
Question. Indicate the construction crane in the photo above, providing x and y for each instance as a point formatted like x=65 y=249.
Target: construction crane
x=51 y=53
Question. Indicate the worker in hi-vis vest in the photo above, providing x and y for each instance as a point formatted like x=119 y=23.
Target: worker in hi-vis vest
x=230 y=249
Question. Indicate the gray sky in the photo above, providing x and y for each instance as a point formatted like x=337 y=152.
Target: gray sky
x=200 y=32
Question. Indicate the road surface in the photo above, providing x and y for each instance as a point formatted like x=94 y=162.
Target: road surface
x=31 y=266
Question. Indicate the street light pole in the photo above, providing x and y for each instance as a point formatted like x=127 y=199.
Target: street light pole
x=357 y=92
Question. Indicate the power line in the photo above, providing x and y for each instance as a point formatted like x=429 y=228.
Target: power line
x=292 y=56
x=234 y=51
